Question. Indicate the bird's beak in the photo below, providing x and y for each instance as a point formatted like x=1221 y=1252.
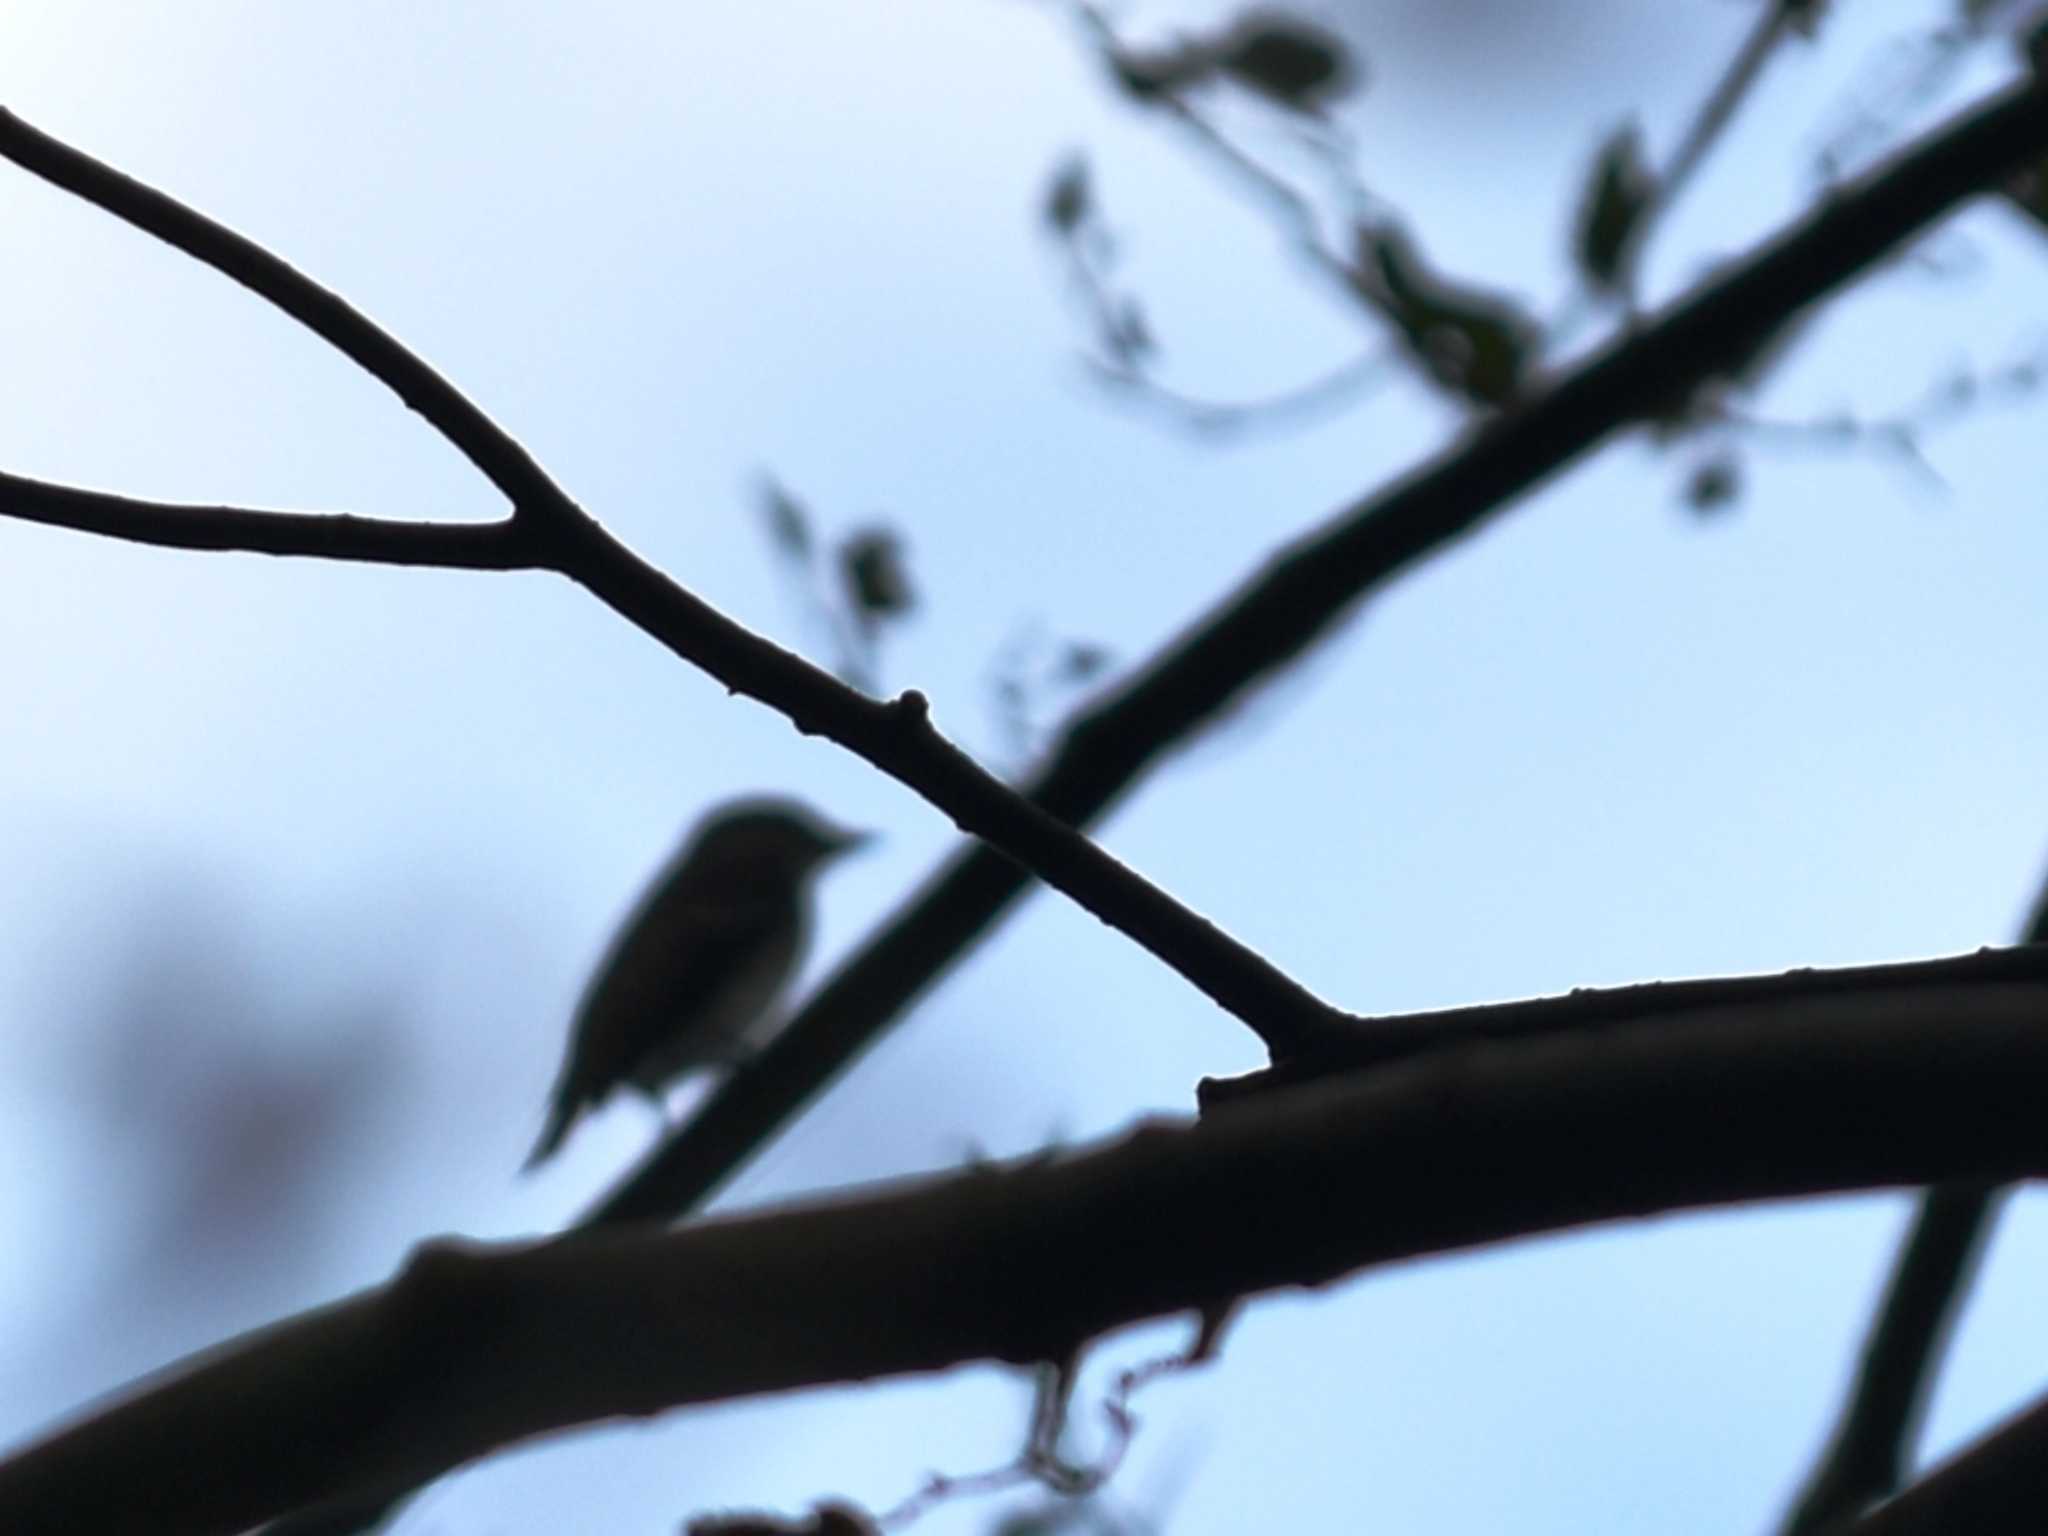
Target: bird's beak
x=848 y=841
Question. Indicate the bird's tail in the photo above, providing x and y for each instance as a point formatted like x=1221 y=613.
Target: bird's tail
x=561 y=1112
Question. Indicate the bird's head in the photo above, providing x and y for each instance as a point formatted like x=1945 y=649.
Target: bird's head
x=777 y=834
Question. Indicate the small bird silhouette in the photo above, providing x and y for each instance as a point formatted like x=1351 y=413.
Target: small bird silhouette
x=694 y=969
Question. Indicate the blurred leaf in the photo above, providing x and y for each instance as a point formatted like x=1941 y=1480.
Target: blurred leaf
x=2028 y=191
x=1291 y=62
x=1804 y=15
x=789 y=526
x=2033 y=43
x=877 y=583
x=1714 y=485
x=1475 y=342
x=1617 y=193
x=1069 y=200
x=1298 y=65
x=1145 y=76
x=1127 y=334
x=1081 y=661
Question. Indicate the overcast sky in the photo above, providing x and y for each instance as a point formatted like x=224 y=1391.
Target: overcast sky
x=302 y=865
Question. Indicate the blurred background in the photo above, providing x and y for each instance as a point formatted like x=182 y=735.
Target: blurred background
x=302 y=865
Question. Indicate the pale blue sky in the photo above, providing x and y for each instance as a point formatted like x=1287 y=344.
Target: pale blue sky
x=363 y=831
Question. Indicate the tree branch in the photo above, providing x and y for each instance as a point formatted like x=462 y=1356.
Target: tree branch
x=474 y=1347
x=499 y=546
x=1869 y=1455
x=327 y=315
x=549 y=529
x=1998 y=1484
x=1372 y=1043
x=1871 y=1449
x=1294 y=602
x=1773 y=21
x=1302 y=594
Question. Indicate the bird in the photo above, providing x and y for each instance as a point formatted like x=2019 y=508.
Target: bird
x=691 y=975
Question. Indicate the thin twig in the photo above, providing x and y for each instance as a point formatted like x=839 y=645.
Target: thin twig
x=327 y=315
x=1899 y=437
x=1322 y=395
x=1294 y=209
x=1716 y=112
x=549 y=529
x=1872 y=1448
x=1297 y=214
x=499 y=546
x=1868 y=1455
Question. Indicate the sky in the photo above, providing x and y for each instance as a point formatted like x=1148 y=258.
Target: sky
x=302 y=865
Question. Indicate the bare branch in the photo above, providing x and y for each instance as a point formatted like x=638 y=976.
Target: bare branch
x=1371 y=1043
x=1871 y=1449
x=553 y=531
x=1219 y=419
x=500 y=546
x=1998 y=1484
x=1870 y=1454
x=1774 y=21
x=475 y=1347
x=326 y=314
x=1305 y=592
x=1297 y=600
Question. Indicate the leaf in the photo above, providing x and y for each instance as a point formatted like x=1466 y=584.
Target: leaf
x=1145 y=76
x=788 y=524
x=1298 y=65
x=872 y=565
x=1473 y=341
x=2027 y=190
x=1616 y=195
x=1070 y=198
x=1128 y=335
x=1804 y=15
x=1080 y=661
x=1293 y=63
x=2033 y=45
x=1714 y=485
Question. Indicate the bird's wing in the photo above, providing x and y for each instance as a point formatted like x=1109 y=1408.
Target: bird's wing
x=681 y=965
x=678 y=966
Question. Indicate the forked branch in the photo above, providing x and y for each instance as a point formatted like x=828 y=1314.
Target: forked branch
x=547 y=529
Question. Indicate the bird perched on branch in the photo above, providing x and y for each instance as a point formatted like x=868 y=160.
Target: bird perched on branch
x=693 y=971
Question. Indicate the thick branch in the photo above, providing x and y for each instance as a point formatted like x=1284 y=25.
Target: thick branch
x=1304 y=593
x=473 y=1348
x=1370 y=1043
